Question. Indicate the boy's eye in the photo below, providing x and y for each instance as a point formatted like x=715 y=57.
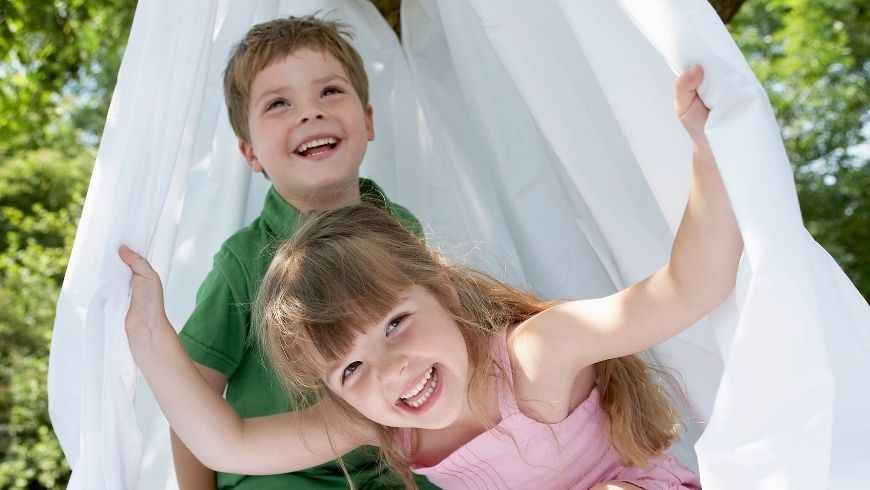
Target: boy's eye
x=394 y=323
x=330 y=91
x=348 y=371
x=276 y=103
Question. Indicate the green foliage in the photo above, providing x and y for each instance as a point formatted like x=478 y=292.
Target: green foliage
x=41 y=195
x=58 y=62
x=58 y=65
x=34 y=190
x=813 y=57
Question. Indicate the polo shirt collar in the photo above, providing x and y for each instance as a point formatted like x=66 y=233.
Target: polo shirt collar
x=282 y=218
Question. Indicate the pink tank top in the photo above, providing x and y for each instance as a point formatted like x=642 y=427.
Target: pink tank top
x=575 y=453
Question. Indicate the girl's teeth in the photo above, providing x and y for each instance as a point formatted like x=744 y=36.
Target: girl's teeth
x=425 y=396
x=420 y=385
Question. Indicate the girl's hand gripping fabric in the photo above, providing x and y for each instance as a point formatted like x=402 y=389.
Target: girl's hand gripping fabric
x=688 y=105
x=146 y=313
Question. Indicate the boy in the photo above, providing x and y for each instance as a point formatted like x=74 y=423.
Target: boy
x=297 y=97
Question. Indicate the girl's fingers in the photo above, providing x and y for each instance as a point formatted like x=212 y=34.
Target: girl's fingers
x=127 y=255
x=136 y=262
x=685 y=89
x=690 y=79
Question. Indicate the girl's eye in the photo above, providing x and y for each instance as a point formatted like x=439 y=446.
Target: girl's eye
x=348 y=371
x=394 y=324
x=330 y=91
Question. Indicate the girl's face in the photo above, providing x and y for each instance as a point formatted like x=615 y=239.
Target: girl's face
x=410 y=369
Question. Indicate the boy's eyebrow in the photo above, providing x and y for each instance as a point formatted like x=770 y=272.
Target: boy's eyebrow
x=329 y=78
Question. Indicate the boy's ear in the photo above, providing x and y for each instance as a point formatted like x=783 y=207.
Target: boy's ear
x=247 y=151
x=370 y=122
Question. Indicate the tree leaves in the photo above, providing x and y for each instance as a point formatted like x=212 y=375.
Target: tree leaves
x=41 y=196
x=58 y=61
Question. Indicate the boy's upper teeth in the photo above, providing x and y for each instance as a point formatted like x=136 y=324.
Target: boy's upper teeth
x=317 y=142
x=422 y=384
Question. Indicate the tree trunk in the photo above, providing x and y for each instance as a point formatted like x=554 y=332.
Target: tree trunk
x=726 y=9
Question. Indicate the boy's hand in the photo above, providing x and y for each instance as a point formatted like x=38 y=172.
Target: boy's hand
x=146 y=311
x=689 y=107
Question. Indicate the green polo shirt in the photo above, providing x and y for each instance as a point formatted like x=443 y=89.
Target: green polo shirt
x=218 y=334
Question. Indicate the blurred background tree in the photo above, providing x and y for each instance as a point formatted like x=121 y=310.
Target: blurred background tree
x=58 y=63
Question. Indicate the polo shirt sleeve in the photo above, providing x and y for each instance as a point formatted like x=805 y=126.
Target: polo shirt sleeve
x=216 y=332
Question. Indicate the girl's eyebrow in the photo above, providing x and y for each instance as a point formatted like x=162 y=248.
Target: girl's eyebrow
x=333 y=366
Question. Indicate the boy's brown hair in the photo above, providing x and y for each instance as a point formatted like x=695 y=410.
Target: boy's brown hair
x=272 y=41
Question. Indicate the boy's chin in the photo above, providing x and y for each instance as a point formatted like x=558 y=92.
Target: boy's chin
x=327 y=192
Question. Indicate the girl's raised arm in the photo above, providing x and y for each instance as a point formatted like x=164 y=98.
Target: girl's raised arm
x=700 y=274
x=202 y=419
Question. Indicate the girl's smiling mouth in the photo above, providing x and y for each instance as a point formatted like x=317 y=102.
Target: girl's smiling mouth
x=422 y=395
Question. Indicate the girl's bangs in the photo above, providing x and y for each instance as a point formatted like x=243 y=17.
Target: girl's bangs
x=351 y=305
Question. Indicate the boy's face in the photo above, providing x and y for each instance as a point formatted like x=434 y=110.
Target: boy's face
x=308 y=129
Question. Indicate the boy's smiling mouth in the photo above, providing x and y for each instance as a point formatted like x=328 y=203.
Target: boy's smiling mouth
x=317 y=146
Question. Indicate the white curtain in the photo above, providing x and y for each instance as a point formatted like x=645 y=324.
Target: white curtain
x=541 y=133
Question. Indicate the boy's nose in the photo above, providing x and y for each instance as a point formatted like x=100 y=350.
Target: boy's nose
x=309 y=110
x=308 y=117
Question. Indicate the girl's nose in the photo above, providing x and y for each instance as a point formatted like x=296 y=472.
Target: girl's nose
x=397 y=364
x=393 y=370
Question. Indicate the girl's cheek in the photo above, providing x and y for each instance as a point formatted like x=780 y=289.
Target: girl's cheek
x=362 y=387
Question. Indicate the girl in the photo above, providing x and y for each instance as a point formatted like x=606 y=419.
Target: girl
x=452 y=374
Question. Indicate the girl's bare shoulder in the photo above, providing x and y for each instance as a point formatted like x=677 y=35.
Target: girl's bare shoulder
x=547 y=386
x=555 y=340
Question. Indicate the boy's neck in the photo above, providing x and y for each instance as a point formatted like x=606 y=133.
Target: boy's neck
x=324 y=200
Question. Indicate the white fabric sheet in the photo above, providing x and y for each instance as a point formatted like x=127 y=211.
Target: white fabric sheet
x=541 y=133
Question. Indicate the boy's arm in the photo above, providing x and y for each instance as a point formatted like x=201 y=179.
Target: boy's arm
x=205 y=422
x=189 y=471
x=701 y=272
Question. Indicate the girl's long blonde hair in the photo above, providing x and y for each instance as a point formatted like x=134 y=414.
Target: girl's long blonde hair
x=344 y=270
